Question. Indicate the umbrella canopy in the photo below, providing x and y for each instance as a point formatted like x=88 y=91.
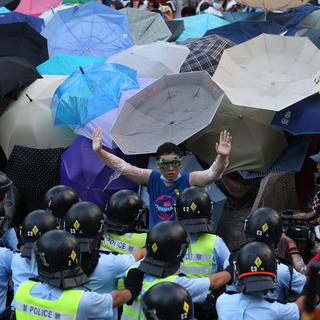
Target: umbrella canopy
x=23 y=41
x=313 y=35
x=176 y=27
x=91 y=29
x=10 y=4
x=205 y=53
x=255 y=144
x=197 y=26
x=173 y=108
x=62 y=64
x=89 y=176
x=270 y=71
x=76 y=1
x=270 y=5
x=48 y=15
x=4 y=10
x=300 y=118
x=242 y=31
x=36 y=7
x=29 y=123
x=107 y=119
x=14 y=17
x=311 y=21
x=153 y=59
x=146 y=27
x=90 y=92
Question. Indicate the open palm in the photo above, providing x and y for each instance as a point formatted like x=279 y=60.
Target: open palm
x=224 y=146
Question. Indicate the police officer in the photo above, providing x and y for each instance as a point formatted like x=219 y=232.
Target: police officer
x=58 y=295
x=167 y=243
x=124 y=223
x=255 y=268
x=167 y=300
x=58 y=200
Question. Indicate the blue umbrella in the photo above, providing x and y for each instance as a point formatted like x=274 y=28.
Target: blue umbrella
x=63 y=64
x=242 y=31
x=14 y=17
x=90 y=92
x=197 y=26
x=4 y=10
x=301 y=117
x=91 y=29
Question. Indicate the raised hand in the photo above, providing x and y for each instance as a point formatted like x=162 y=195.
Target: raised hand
x=224 y=146
x=97 y=140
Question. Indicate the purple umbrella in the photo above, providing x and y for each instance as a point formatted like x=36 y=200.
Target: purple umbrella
x=86 y=173
x=15 y=17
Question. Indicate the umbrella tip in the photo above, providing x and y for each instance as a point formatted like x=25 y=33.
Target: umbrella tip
x=81 y=70
x=29 y=97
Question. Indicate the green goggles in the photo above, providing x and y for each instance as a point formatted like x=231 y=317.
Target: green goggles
x=169 y=163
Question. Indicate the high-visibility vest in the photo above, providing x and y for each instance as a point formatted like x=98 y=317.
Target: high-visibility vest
x=32 y=308
x=134 y=311
x=123 y=243
x=198 y=261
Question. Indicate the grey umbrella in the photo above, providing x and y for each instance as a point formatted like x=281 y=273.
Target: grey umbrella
x=173 y=108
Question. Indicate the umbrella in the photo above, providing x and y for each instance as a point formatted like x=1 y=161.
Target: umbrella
x=14 y=17
x=36 y=7
x=91 y=29
x=89 y=176
x=313 y=35
x=176 y=27
x=189 y=164
x=107 y=119
x=269 y=71
x=146 y=27
x=62 y=64
x=48 y=15
x=153 y=59
x=255 y=144
x=300 y=118
x=205 y=53
x=4 y=10
x=29 y=123
x=197 y=26
x=270 y=5
x=10 y=4
x=90 y=92
x=15 y=74
x=242 y=31
x=173 y=108
x=311 y=21
x=76 y=1
x=21 y=40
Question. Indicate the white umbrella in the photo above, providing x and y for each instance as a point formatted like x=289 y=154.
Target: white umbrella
x=29 y=123
x=270 y=71
x=270 y=5
x=48 y=15
x=154 y=59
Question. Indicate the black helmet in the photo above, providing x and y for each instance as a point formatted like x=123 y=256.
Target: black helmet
x=124 y=212
x=59 y=199
x=58 y=259
x=167 y=300
x=194 y=210
x=264 y=225
x=34 y=225
x=3 y=219
x=255 y=267
x=167 y=243
x=85 y=220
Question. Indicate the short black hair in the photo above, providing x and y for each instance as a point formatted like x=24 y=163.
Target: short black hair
x=188 y=11
x=204 y=6
x=167 y=148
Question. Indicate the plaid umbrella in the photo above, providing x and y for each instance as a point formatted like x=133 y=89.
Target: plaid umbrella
x=146 y=27
x=205 y=53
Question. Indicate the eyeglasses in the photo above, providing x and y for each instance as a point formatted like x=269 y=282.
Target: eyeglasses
x=169 y=163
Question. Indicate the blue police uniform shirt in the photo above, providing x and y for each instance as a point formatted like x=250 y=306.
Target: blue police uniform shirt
x=10 y=239
x=250 y=307
x=5 y=273
x=92 y=305
x=163 y=198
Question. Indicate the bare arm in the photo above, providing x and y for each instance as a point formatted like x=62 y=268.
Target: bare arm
x=133 y=173
x=206 y=177
x=139 y=253
x=120 y=297
x=219 y=279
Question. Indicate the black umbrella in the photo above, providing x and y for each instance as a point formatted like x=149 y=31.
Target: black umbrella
x=15 y=74
x=176 y=27
x=21 y=40
x=9 y=4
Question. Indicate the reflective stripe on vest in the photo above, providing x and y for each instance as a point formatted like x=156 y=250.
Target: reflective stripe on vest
x=31 y=308
x=134 y=311
x=198 y=262
x=123 y=243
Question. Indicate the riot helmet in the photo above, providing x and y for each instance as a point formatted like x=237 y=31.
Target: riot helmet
x=124 y=211
x=85 y=221
x=58 y=258
x=7 y=194
x=194 y=210
x=3 y=219
x=59 y=199
x=167 y=243
x=264 y=225
x=255 y=268
x=167 y=300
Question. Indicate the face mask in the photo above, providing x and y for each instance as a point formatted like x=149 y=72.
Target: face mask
x=170 y=181
x=217 y=5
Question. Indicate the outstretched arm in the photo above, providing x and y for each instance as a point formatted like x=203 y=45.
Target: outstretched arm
x=133 y=173
x=206 y=177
